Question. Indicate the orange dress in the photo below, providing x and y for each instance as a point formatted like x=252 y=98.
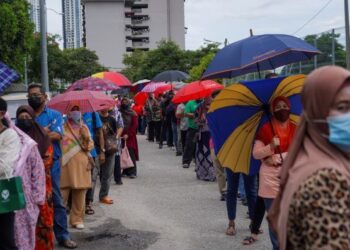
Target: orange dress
x=44 y=228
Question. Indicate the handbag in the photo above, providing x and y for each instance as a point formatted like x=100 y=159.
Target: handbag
x=11 y=195
x=111 y=142
x=125 y=159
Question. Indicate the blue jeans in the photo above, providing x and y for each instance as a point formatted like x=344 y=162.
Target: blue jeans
x=250 y=185
x=241 y=187
x=175 y=136
x=60 y=213
x=273 y=238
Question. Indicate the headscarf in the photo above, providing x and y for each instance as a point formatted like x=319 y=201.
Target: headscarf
x=273 y=128
x=37 y=133
x=127 y=114
x=310 y=151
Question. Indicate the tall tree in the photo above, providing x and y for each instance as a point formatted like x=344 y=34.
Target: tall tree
x=16 y=29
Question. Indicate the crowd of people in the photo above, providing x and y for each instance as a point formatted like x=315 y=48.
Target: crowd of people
x=59 y=160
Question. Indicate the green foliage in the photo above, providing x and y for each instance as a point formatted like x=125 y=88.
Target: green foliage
x=168 y=56
x=197 y=71
x=16 y=29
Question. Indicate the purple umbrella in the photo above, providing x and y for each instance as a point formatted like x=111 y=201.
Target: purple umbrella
x=93 y=84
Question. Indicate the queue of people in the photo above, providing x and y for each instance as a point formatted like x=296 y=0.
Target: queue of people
x=59 y=161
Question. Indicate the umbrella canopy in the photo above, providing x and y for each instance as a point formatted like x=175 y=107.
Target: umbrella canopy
x=141 y=82
x=238 y=112
x=196 y=90
x=119 y=79
x=256 y=53
x=151 y=87
x=93 y=84
x=171 y=76
x=175 y=86
x=7 y=76
x=141 y=98
x=89 y=101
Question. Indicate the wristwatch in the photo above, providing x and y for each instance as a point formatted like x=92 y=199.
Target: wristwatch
x=103 y=150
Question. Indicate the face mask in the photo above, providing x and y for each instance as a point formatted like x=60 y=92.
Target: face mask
x=282 y=115
x=35 y=102
x=339 y=131
x=24 y=124
x=124 y=106
x=75 y=116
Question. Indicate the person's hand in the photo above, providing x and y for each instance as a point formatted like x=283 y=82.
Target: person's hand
x=276 y=160
x=275 y=142
x=102 y=157
x=47 y=129
x=125 y=137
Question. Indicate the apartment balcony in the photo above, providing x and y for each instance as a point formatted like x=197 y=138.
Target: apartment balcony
x=131 y=49
x=139 y=20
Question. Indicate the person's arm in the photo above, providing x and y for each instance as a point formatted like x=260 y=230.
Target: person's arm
x=38 y=178
x=261 y=151
x=9 y=152
x=55 y=130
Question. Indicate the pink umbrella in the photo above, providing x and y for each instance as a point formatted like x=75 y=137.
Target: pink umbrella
x=88 y=101
x=93 y=84
x=151 y=87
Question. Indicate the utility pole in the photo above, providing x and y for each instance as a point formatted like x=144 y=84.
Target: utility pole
x=25 y=72
x=43 y=45
x=333 y=47
x=347 y=35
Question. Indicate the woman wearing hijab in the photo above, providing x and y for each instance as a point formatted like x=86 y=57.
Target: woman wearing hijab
x=25 y=121
x=312 y=210
x=129 y=135
x=271 y=147
x=76 y=167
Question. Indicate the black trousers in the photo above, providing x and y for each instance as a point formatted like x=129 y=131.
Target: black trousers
x=7 y=231
x=117 y=169
x=183 y=139
x=166 y=134
x=154 y=132
x=131 y=171
x=259 y=212
x=190 y=146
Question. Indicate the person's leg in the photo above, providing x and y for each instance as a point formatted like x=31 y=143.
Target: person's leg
x=162 y=133
x=273 y=237
x=220 y=172
x=241 y=188
x=250 y=184
x=131 y=172
x=259 y=213
x=60 y=213
x=183 y=140
x=151 y=131
x=78 y=207
x=7 y=231
x=158 y=128
x=95 y=174
x=117 y=170
x=179 y=144
x=231 y=199
x=190 y=147
x=106 y=175
x=170 y=135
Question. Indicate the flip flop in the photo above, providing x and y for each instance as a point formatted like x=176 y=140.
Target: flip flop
x=89 y=210
x=249 y=240
x=69 y=244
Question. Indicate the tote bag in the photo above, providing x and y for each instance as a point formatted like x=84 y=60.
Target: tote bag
x=11 y=195
x=125 y=159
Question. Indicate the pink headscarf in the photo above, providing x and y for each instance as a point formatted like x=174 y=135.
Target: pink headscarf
x=310 y=151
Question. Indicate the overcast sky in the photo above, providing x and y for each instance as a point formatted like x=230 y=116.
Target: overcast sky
x=219 y=19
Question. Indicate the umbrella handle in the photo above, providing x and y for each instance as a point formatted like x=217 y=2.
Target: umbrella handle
x=274 y=133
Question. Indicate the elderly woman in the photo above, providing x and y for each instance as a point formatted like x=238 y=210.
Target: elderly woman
x=76 y=166
x=129 y=135
x=25 y=120
x=312 y=210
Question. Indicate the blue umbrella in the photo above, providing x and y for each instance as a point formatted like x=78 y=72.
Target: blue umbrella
x=238 y=112
x=256 y=53
x=7 y=76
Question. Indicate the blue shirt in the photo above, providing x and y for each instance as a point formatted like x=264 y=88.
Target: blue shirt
x=87 y=118
x=53 y=120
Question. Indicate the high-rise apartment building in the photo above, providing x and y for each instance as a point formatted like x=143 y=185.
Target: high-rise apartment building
x=72 y=23
x=34 y=13
x=115 y=27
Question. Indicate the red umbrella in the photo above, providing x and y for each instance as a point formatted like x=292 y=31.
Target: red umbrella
x=141 y=98
x=163 y=89
x=196 y=90
x=93 y=84
x=88 y=101
x=119 y=79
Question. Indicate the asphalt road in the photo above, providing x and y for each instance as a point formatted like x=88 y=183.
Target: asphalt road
x=164 y=208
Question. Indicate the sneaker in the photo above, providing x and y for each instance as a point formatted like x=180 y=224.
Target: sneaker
x=185 y=165
x=119 y=183
x=79 y=226
x=132 y=176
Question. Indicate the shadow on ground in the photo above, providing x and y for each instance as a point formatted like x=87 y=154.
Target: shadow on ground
x=113 y=235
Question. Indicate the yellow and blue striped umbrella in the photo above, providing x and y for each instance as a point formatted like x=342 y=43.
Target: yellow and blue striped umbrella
x=238 y=112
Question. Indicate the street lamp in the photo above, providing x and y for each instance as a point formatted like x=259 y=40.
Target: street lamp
x=43 y=45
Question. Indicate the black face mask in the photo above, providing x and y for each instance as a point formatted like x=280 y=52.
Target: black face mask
x=24 y=124
x=282 y=115
x=124 y=106
x=35 y=102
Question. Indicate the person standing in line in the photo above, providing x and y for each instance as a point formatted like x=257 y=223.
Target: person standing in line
x=166 y=129
x=93 y=122
x=117 y=169
x=312 y=208
x=52 y=123
x=44 y=230
x=129 y=135
x=10 y=147
x=153 y=119
x=110 y=130
x=190 y=146
x=182 y=126
x=76 y=165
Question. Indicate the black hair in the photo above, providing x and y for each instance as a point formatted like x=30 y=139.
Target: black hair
x=3 y=105
x=36 y=85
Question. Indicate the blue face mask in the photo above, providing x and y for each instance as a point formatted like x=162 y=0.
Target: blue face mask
x=339 y=131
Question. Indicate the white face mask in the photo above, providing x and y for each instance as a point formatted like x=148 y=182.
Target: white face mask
x=75 y=116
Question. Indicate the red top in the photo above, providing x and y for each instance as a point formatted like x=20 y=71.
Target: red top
x=131 y=132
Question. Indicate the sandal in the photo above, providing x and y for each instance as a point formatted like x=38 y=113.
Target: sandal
x=89 y=210
x=69 y=244
x=249 y=240
x=231 y=230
